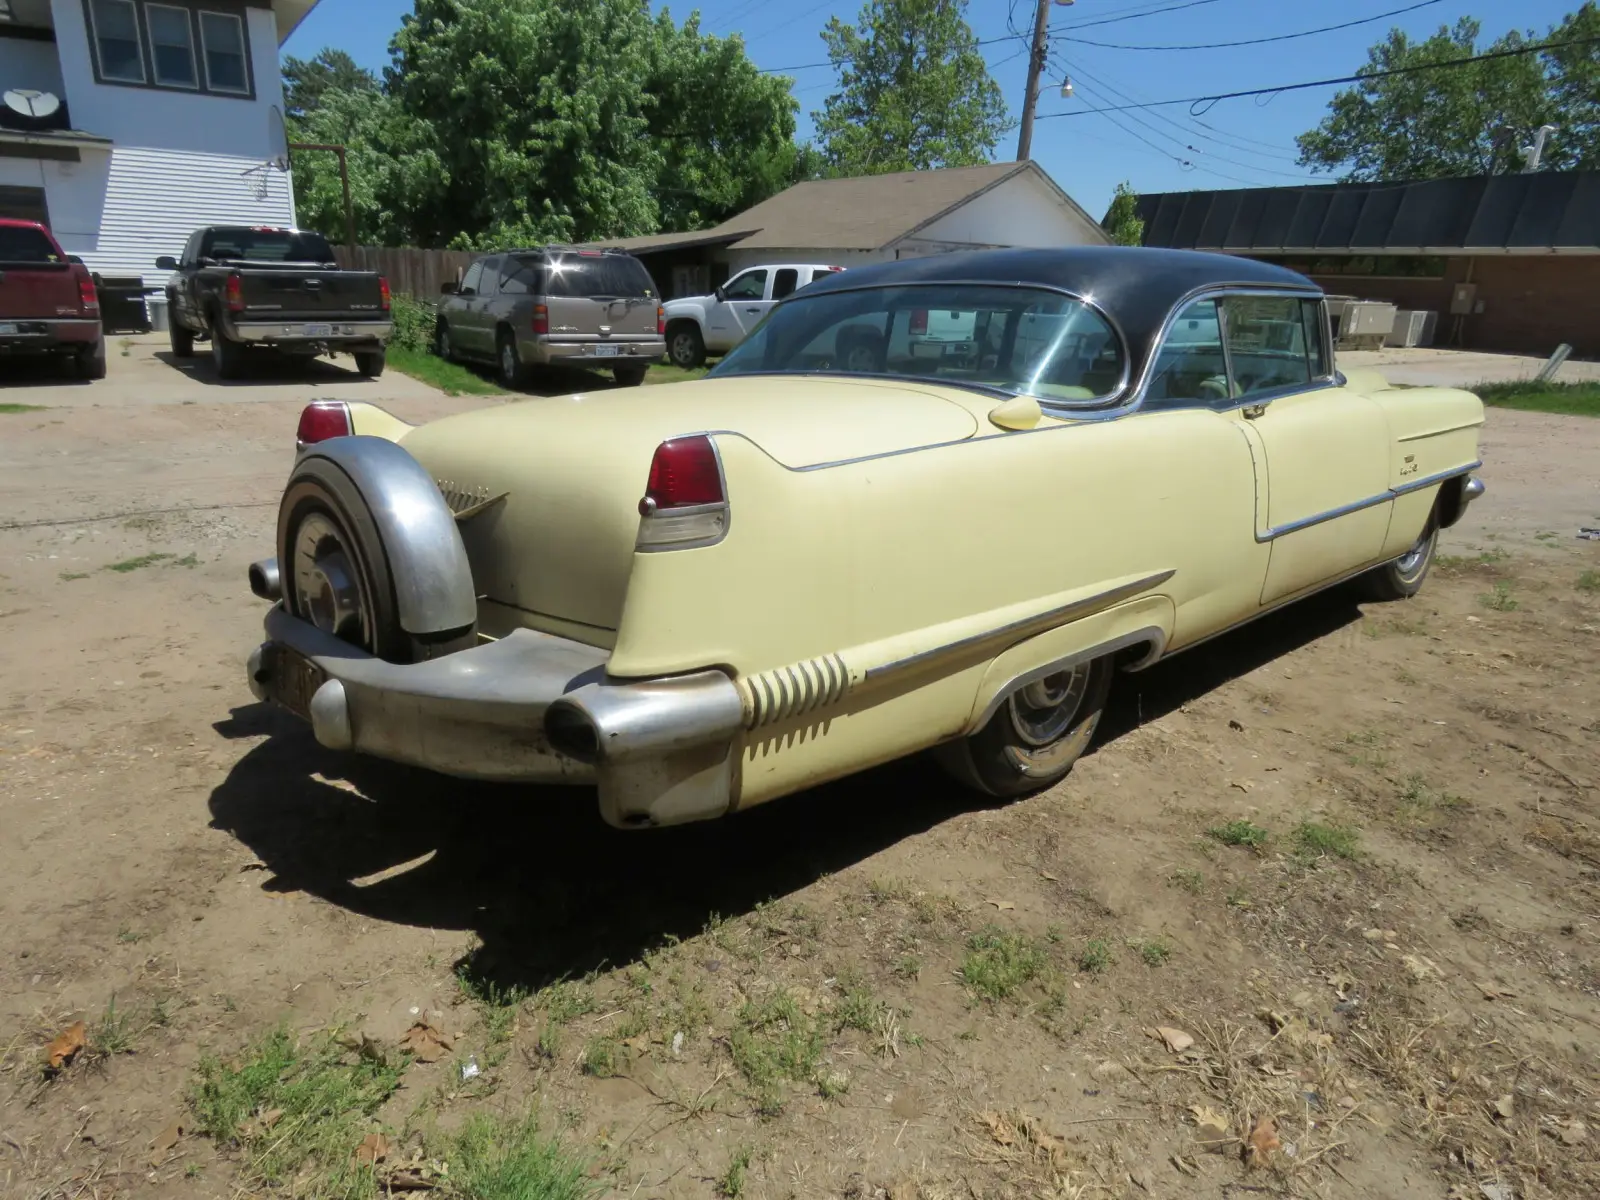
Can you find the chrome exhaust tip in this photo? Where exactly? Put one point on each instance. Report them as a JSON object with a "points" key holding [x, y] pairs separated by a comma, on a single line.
{"points": [[265, 581]]}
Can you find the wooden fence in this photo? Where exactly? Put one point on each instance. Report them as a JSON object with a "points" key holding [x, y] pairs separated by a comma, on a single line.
{"points": [[410, 272]]}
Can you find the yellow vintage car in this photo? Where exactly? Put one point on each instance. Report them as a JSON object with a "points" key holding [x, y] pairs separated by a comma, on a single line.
{"points": [[928, 505]]}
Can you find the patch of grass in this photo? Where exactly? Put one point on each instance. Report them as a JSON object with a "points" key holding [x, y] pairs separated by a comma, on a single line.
{"points": [[602, 1057], [998, 963], [511, 1160], [1187, 880], [1528, 395], [1501, 599], [188, 560], [1366, 749], [667, 373], [1314, 839], [1459, 562], [1420, 804], [773, 1042], [730, 1184], [885, 890], [21, 408], [907, 966], [1154, 952], [69, 576], [1589, 581], [1239, 833], [1095, 957], [860, 1008], [452, 379], [1238, 897], [565, 1000], [135, 564], [297, 1108], [113, 1033]]}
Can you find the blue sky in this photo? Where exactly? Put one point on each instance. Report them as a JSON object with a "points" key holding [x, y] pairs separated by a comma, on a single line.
{"points": [[1242, 142]]}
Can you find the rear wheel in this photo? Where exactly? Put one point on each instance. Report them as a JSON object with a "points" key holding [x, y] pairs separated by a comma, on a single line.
{"points": [[1402, 578], [629, 376], [91, 361], [227, 355], [685, 346], [509, 361], [336, 571], [1035, 735], [371, 362]]}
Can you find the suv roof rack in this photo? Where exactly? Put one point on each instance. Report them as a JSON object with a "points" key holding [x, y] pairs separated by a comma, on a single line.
{"points": [[562, 248]]}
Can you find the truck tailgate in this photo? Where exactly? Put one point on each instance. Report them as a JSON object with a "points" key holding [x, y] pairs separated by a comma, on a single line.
{"points": [[306, 292]]}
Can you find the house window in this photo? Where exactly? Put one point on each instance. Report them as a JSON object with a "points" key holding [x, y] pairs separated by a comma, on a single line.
{"points": [[116, 35], [171, 46], [223, 35]]}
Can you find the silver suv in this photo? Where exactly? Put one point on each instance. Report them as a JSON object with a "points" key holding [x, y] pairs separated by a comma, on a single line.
{"points": [[555, 305]]}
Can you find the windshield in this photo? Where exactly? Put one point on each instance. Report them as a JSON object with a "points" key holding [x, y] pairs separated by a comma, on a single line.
{"points": [[1021, 340], [602, 276], [265, 245]]}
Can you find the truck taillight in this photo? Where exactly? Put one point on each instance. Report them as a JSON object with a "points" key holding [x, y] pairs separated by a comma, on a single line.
{"points": [[234, 289], [384, 298], [321, 420], [685, 501], [541, 318], [88, 296], [661, 319], [919, 320]]}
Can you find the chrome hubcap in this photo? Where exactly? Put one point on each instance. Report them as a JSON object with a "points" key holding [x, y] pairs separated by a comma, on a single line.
{"points": [[327, 591], [859, 359], [1042, 711], [682, 349], [1413, 558]]}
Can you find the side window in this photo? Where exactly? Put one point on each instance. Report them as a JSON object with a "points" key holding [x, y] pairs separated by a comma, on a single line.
{"points": [[1190, 369], [752, 285], [518, 278], [1266, 343], [785, 282], [473, 278], [1316, 350], [491, 276]]}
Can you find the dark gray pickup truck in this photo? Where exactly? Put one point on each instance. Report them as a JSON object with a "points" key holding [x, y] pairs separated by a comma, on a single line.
{"points": [[278, 289]]}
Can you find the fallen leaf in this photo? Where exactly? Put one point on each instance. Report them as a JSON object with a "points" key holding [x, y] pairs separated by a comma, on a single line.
{"points": [[1504, 1107], [425, 1042], [1341, 982], [1573, 1132], [164, 1142], [66, 1045], [1263, 1140], [270, 1118], [374, 1148], [1003, 905], [1244, 785], [1236, 726], [1211, 1128], [1176, 1039]]}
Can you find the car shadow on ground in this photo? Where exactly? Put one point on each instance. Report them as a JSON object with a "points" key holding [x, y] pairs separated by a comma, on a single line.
{"points": [[264, 367], [30, 371], [544, 381], [551, 892]]}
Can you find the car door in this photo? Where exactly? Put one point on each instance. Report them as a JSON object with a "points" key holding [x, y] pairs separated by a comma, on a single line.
{"points": [[1323, 501], [744, 301], [462, 312]]}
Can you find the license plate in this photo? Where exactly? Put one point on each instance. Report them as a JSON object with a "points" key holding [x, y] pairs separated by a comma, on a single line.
{"points": [[8, 327], [319, 330], [958, 350], [605, 351], [292, 679]]}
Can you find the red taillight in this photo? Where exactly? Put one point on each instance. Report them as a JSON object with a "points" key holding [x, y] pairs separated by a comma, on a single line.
{"points": [[384, 297], [661, 319], [683, 474], [321, 420], [835, 268], [541, 319], [88, 296], [235, 293], [919, 320]]}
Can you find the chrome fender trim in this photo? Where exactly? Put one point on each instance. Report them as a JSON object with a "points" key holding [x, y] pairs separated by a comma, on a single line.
{"points": [[432, 577]]}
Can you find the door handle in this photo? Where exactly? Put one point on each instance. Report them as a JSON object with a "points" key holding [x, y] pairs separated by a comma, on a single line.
{"points": [[752, 310], [1254, 410]]}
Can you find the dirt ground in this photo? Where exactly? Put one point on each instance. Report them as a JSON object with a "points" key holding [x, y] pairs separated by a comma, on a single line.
{"points": [[1348, 858]]}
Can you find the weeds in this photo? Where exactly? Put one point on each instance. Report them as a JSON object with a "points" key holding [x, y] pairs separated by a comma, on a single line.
{"points": [[565, 1000], [1420, 804], [998, 963], [1154, 952], [1366, 749], [113, 1033], [601, 1057], [860, 1009], [511, 1160], [1589, 581], [69, 576], [772, 1042], [731, 1183], [136, 564], [907, 966], [1458, 562], [21, 408], [1187, 880], [1239, 833], [1095, 957], [1499, 600], [1314, 840]]}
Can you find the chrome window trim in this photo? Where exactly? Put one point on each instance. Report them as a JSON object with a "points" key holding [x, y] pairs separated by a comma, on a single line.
{"points": [[1344, 510], [1092, 409]]}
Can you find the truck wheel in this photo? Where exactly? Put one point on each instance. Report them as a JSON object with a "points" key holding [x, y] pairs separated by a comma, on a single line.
{"points": [[512, 374], [629, 376], [226, 355], [336, 572], [371, 362], [91, 361], [441, 342], [1402, 578], [685, 346], [181, 339], [1035, 735]]}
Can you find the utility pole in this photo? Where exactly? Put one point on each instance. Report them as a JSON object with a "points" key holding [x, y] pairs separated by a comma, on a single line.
{"points": [[1036, 62]]}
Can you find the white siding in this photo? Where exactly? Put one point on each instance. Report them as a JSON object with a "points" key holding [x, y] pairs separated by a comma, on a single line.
{"points": [[74, 193], [25, 63], [1022, 211], [154, 199]]}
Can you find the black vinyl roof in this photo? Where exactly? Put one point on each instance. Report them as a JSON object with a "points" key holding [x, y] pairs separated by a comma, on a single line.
{"points": [[1543, 211], [1136, 287]]}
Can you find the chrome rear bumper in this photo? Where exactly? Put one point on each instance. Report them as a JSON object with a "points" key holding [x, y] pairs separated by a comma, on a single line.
{"points": [[530, 707]]}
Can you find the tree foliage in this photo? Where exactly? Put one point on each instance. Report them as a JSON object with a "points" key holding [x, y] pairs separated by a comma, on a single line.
{"points": [[1472, 119], [1122, 221], [306, 80], [914, 91]]}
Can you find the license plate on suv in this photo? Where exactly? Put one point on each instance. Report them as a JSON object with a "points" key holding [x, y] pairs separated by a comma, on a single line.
{"points": [[292, 678], [319, 330], [606, 351]]}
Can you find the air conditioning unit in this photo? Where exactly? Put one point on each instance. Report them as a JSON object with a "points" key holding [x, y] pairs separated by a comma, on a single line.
{"points": [[1413, 327], [1360, 324]]}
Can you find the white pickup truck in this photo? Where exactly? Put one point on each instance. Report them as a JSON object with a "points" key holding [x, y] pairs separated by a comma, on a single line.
{"points": [[715, 324]]}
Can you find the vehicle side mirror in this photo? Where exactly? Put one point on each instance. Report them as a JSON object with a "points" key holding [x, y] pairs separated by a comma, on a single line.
{"points": [[720, 294], [448, 288], [466, 291], [166, 263]]}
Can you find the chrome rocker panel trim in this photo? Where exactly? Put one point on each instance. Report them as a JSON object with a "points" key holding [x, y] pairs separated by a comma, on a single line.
{"points": [[1383, 497], [661, 751]]}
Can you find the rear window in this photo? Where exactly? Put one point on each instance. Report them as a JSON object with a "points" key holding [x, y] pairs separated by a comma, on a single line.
{"points": [[265, 245], [18, 245], [601, 276]]}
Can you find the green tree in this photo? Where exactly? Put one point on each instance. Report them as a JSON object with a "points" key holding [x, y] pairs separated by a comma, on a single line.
{"points": [[914, 91], [363, 121], [1123, 223], [1464, 120], [306, 81]]}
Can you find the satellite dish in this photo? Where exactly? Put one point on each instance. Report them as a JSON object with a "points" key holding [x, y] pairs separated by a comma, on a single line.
{"points": [[30, 103], [277, 139]]}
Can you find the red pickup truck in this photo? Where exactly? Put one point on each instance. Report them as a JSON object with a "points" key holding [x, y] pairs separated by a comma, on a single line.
{"points": [[47, 301]]}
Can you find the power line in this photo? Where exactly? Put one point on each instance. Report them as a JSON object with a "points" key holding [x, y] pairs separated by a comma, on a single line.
{"points": [[1133, 16], [1282, 37], [1010, 37], [1316, 83]]}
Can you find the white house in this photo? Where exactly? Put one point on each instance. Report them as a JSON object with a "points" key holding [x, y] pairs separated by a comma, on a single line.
{"points": [[126, 124], [874, 218]]}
